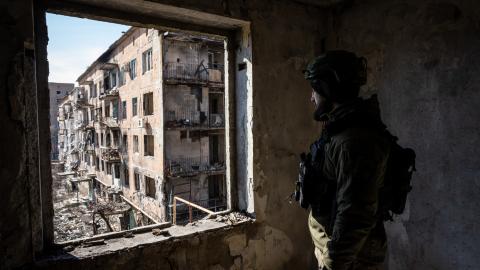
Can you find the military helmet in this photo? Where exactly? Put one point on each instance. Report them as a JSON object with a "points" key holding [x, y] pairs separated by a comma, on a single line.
{"points": [[341, 70]]}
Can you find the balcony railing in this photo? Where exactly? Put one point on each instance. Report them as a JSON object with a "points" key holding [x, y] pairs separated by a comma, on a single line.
{"points": [[109, 93], [189, 72], [188, 119], [184, 211], [184, 72], [182, 167]]}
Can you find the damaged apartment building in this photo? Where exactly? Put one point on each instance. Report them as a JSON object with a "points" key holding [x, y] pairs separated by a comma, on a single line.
{"points": [[146, 126]]}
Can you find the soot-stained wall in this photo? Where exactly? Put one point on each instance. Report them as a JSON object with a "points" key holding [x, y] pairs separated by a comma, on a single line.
{"points": [[424, 63]]}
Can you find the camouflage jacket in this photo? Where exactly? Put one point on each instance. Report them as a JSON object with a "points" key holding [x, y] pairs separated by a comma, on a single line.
{"points": [[355, 160]]}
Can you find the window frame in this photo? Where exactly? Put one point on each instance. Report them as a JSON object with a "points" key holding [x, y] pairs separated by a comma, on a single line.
{"points": [[147, 61], [232, 31], [133, 68], [148, 104], [134, 106], [148, 192], [148, 145]]}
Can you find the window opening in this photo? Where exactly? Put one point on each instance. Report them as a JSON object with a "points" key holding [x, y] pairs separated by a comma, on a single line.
{"points": [[149, 147], [148, 104], [94, 129]]}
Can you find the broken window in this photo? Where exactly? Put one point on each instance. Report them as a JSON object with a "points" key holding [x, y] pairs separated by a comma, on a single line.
{"points": [[109, 169], [126, 177], [124, 109], [135, 143], [134, 106], [121, 76], [148, 104], [147, 60], [113, 78], [148, 143], [150, 187], [137, 180], [108, 140], [115, 109], [125, 143], [132, 68], [116, 138]]}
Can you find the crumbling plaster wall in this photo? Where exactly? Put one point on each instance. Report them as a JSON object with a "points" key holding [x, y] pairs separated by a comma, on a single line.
{"points": [[424, 63], [281, 127]]}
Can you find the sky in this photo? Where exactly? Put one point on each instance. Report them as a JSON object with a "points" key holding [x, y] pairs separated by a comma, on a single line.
{"points": [[75, 43]]}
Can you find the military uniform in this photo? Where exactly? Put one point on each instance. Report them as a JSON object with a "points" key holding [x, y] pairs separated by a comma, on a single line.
{"points": [[347, 228]]}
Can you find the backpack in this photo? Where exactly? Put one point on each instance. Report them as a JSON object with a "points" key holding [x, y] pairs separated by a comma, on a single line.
{"points": [[397, 182]]}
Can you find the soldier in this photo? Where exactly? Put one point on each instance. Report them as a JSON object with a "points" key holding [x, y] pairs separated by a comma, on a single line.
{"points": [[349, 164]]}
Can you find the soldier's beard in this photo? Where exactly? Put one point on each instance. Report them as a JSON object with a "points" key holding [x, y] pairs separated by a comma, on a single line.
{"points": [[321, 110]]}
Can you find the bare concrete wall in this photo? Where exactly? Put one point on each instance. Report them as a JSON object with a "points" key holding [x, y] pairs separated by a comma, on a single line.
{"points": [[424, 63]]}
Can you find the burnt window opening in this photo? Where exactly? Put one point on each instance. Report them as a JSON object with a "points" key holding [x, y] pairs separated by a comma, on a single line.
{"points": [[149, 145], [150, 189], [148, 104], [133, 69], [136, 176], [135, 143], [126, 177]]}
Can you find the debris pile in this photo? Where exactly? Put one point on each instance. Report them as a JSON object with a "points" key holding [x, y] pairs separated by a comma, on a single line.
{"points": [[233, 218]]}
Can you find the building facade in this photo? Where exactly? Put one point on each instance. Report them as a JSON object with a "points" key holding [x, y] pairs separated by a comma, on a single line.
{"points": [[57, 92], [148, 123]]}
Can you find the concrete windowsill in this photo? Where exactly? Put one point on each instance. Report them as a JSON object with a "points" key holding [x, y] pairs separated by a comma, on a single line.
{"points": [[140, 240]]}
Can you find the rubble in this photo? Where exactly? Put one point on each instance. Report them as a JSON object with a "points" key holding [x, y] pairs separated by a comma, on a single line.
{"points": [[233, 218]]}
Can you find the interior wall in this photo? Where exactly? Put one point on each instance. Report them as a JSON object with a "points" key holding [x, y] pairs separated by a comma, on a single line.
{"points": [[281, 127], [424, 61]]}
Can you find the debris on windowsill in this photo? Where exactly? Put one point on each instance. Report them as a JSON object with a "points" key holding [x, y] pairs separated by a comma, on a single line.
{"points": [[94, 243], [158, 232], [233, 218]]}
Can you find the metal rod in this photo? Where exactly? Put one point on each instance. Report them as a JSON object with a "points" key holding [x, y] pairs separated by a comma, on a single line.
{"points": [[139, 209], [194, 205], [174, 219]]}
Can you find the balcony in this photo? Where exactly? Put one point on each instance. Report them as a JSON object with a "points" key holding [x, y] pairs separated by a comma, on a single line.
{"points": [[110, 122], [216, 120], [109, 94], [189, 119], [184, 167], [192, 73], [110, 154]]}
